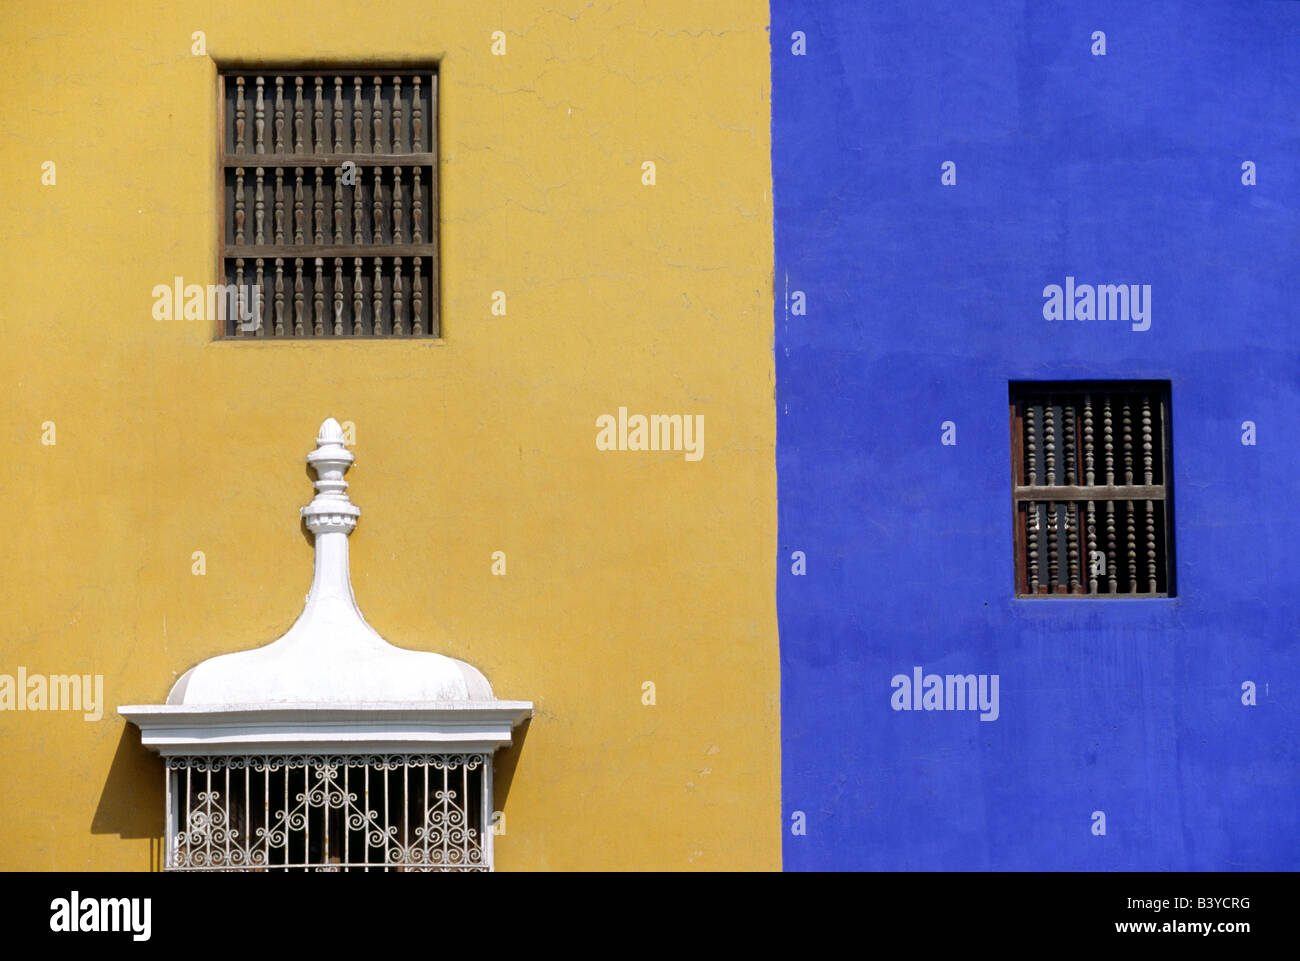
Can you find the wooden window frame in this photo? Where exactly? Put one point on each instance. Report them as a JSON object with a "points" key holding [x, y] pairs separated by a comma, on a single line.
{"points": [[430, 248], [1160, 494]]}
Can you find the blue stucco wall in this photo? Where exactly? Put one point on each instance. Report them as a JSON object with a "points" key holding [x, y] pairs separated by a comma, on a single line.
{"points": [[923, 302]]}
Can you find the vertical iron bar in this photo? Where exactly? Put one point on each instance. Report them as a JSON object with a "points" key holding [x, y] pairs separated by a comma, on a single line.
{"points": [[169, 796], [325, 850], [306, 821]]}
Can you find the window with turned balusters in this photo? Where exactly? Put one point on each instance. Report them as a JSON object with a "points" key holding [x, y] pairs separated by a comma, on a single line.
{"points": [[329, 202], [1091, 489]]}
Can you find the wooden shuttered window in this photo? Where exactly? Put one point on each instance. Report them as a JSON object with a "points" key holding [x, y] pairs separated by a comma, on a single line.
{"points": [[1091, 489], [329, 202]]}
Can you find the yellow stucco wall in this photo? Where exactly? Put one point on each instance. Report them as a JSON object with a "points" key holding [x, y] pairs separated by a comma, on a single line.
{"points": [[622, 567]]}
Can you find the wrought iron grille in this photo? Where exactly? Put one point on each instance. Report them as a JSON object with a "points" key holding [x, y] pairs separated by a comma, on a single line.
{"points": [[329, 203], [1091, 492], [389, 812]]}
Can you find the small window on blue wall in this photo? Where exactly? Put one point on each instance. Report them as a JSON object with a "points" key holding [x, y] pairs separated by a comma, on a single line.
{"points": [[1091, 489]]}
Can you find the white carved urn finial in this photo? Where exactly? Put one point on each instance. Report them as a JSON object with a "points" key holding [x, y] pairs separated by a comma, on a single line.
{"points": [[331, 510], [330, 655]]}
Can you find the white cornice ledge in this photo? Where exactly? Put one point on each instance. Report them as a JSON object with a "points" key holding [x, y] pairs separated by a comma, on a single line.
{"points": [[431, 727]]}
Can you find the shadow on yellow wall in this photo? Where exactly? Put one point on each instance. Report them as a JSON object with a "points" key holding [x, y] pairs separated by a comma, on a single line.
{"points": [[131, 805]]}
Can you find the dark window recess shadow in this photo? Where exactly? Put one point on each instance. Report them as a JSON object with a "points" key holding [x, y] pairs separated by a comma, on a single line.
{"points": [[503, 770], [131, 804]]}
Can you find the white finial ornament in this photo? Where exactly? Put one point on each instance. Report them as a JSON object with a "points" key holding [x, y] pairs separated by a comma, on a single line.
{"points": [[330, 654], [330, 510], [331, 684]]}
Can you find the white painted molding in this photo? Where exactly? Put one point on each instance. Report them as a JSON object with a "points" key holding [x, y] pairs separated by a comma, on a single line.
{"points": [[430, 728], [331, 684]]}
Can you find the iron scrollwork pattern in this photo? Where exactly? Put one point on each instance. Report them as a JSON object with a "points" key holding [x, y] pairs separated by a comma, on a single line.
{"points": [[383, 812]]}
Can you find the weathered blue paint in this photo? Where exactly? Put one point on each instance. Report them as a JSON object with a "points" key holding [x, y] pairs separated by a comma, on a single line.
{"points": [[924, 301]]}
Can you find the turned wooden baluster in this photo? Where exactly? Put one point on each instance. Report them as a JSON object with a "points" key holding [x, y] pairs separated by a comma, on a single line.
{"points": [[297, 115], [1148, 462], [259, 298], [237, 321], [339, 211], [1131, 528], [1108, 454], [397, 115], [417, 299], [259, 118], [1049, 441], [1049, 456], [1108, 447], [1031, 508], [318, 125], [397, 297], [1131, 541], [279, 297], [318, 300], [378, 114], [239, 115], [338, 297], [397, 205], [1148, 475], [338, 115], [377, 205], [358, 117], [279, 205], [1071, 507], [417, 209], [358, 210], [358, 297], [297, 298], [1090, 479], [259, 210], [377, 326], [1127, 422], [1071, 444], [279, 115], [1053, 548], [239, 205], [417, 118], [299, 214], [318, 204]]}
